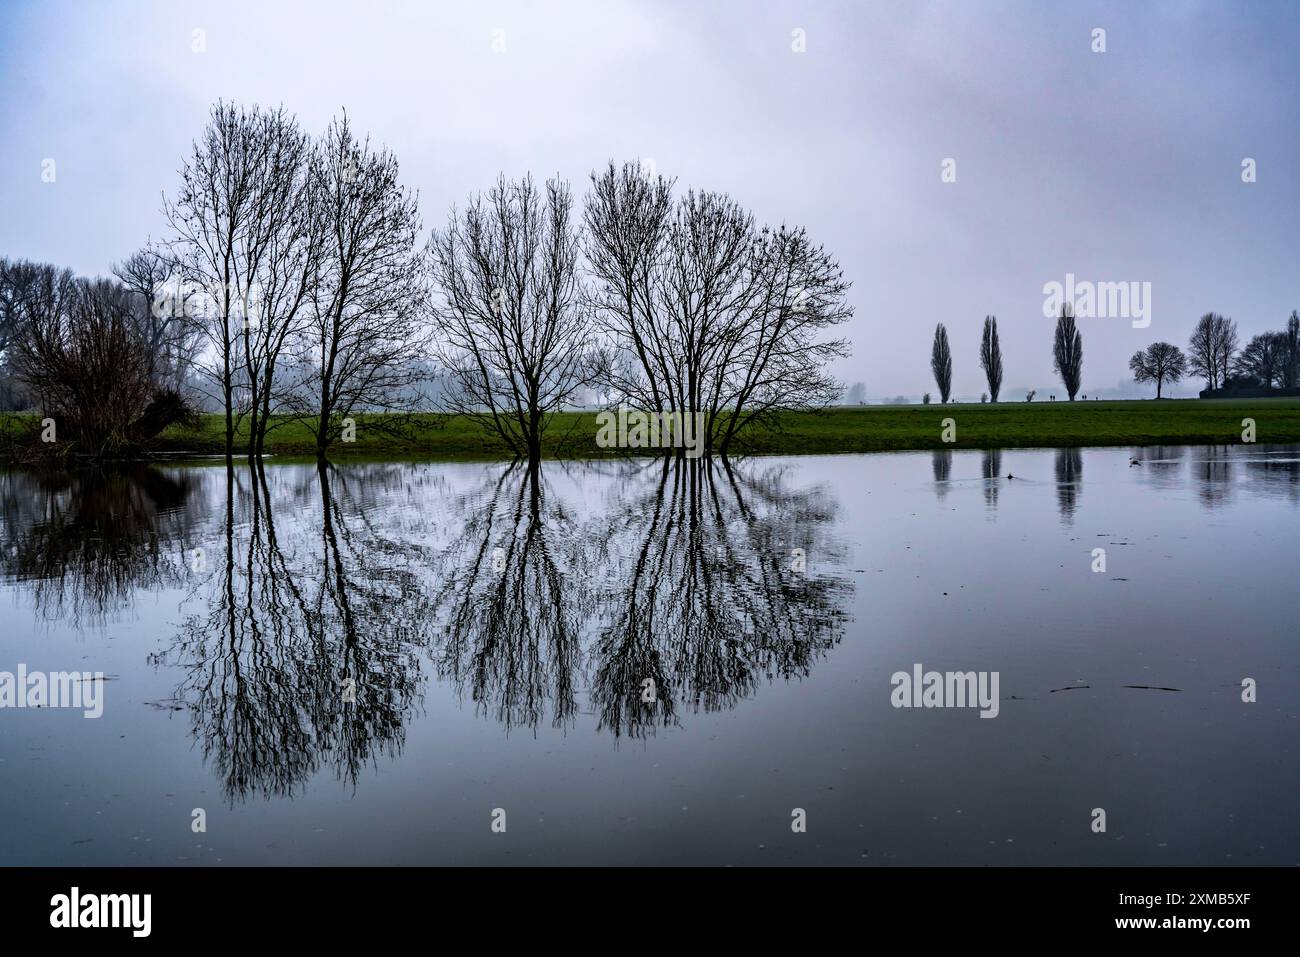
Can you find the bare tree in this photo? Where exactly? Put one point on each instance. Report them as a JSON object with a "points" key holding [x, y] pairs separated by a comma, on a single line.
{"points": [[941, 363], [1211, 349], [242, 237], [20, 280], [364, 340], [159, 314], [285, 240], [13, 279], [707, 315], [1160, 362], [1263, 359], [77, 351], [991, 356], [1067, 352], [627, 219], [775, 354], [510, 309]]}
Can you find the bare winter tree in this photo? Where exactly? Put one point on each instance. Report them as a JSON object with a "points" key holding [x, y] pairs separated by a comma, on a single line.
{"points": [[1160, 362], [708, 316], [1067, 352], [285, 239], [1263, 359], [1211, 349], [510, 310], [20, 280], [159, 313], [627, 217], [941, 363], [78, 352], [991, 356], [365, 338], [703, 294], [777, 354], [242, 226]]}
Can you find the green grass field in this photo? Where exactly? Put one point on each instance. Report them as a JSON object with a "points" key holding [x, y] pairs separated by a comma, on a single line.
{"points": [[842, 429]]}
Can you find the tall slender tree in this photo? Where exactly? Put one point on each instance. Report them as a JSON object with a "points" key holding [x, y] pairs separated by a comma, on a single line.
{"points": [[941, 362], [991, 356], [1067, 352], [1291, 351]]}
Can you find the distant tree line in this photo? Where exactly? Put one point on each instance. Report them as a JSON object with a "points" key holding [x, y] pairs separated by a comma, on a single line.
{"points": [[1270, 360], [294, 285]]}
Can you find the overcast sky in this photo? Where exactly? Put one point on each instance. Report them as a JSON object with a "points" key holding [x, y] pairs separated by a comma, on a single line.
{"points": [[1116, 166]]}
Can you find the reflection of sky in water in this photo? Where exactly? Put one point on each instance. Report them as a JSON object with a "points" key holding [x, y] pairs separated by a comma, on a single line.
{"points": [[496, 631]]}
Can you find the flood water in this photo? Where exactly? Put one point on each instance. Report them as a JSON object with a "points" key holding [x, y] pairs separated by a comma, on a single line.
{"points": [[641, 662]]}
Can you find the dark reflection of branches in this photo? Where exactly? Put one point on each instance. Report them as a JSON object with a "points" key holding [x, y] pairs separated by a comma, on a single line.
{"points": [[941, 461], [319, 595], [714, 597], [687, 587], [991, 469], [307, 655], [85, 541], [1069, 482], [513, 602]]}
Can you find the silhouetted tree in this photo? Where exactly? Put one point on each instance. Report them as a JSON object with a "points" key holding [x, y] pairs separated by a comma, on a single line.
{"points": [[1067, 352], [1160, 362], [76, 351], [366, 332], [247, 237], [509, 309], [1263, 359], [1291, 352], [941, 362], [171, 342], [1211, 348], [707, 315], [991, 356]]}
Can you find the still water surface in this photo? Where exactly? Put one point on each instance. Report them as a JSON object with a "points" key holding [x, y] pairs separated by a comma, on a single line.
{"points": [[358, 667]]}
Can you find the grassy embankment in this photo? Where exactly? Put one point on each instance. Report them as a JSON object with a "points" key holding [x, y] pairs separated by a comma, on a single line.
{"points": [[846, 429]]}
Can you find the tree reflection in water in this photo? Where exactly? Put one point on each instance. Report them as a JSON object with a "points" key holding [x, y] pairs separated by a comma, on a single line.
{"points": [[317, 602], [86, 541], [308, 653], [729, 582]]}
